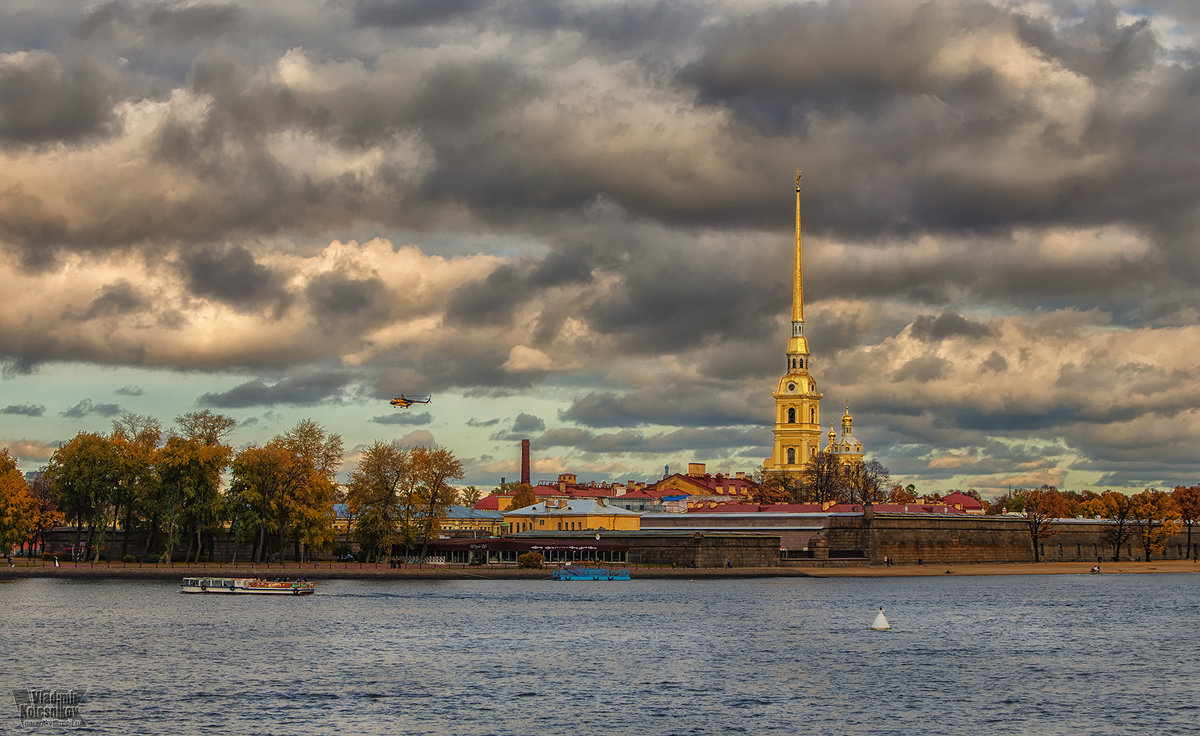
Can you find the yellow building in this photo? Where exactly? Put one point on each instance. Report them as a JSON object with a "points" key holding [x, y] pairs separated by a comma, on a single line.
{"points": [[847, 449], [797, 401], [572, 515]]}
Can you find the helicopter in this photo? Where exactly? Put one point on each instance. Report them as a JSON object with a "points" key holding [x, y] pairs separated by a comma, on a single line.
{"points": [[404, 402]]}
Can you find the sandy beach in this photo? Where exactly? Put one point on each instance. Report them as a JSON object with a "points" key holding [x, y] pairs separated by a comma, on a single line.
{"points": [[337, 570]]}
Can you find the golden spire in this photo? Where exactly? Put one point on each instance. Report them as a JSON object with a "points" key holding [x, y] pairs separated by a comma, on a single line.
{"points": [[797, 277]]}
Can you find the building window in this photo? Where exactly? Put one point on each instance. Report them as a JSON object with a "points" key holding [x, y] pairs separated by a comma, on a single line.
{"points": [[791, 415], [791, 456], [812, 415]]}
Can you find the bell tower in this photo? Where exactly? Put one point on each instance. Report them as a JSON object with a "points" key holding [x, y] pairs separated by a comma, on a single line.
{"points": [[797, 401]]}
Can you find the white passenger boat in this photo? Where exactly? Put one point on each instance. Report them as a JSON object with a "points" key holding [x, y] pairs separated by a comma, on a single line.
{"points": [[240, 586]]}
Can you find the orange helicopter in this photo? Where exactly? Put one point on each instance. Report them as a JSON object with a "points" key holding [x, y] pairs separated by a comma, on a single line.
{"points": [[404, 402]]}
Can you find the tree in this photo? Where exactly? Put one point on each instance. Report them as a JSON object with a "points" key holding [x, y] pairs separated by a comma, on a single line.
{"points": [[773, 486], [312, 516], [1118, 509], [136, 438], [198, 456], [903, 494], [381, 488], [16, 503], [1187, 500], [433, 467], [45, 514], [1040, 507], [866, 482], [84, 472], [823, 480], [1156, 519], [523, 496], [470, 495]]}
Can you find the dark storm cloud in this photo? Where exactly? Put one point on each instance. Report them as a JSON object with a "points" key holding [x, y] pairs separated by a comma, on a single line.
{"points": [[611, 409], [333, 296], [233, 276], [403, 417], [928, 328], [523, 426], [633, 441], [115, 300], [86, 406], [25, 410], [307, 389], [528, 423], [43, 99], [404, 13]]}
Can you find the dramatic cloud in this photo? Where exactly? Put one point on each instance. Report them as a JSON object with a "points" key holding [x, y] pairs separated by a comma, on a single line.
{"points": [[25, 410], [580, 215]]}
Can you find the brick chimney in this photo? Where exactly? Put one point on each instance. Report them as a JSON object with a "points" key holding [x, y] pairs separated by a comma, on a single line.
{"points": [[525, 462]]}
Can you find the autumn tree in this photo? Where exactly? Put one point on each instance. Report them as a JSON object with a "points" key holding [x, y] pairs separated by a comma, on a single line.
{"points": [[523, 496], [257, 484], [1118, 509], [44, 512], [774, 486], [16, 503], [1039, 507], [1187, 500], [433, 467], [381, 488], [1156, 519], [903, 494], [312, 515]]}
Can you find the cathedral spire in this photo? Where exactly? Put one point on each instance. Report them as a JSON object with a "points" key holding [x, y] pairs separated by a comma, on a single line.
{"points": [[797, 276]]}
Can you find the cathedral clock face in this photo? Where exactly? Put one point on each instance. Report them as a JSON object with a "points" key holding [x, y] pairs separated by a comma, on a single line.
{"points": [[791, 387]]}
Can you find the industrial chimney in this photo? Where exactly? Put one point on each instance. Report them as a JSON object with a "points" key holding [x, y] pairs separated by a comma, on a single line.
{"points": [[525, 462]]}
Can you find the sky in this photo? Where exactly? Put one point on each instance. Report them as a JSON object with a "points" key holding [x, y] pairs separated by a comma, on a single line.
{"points": [[572, 222]]}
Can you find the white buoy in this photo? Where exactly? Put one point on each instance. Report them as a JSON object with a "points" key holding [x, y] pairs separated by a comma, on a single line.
{"points": [[881, 622]]}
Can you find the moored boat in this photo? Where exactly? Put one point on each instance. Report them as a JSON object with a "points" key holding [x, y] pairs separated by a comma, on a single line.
{"points": [[579, 572], [240, 586]]}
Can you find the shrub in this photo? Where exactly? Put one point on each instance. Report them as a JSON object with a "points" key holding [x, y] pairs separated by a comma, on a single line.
{"points": [[129, 558], [153, 559], [532, 560]]}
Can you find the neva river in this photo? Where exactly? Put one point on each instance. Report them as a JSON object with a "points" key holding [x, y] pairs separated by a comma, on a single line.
{"points": [[1088, 654]]}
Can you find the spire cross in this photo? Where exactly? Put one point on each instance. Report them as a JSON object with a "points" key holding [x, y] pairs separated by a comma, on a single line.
{"points": [[797, 178]]}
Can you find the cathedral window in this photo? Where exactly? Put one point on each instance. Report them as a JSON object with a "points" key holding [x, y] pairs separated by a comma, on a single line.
{"points": [[791, 455], [791, 415]]}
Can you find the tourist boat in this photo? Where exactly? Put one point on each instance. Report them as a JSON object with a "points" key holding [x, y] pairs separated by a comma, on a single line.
{"points": [[578, 572], [248, 585]]}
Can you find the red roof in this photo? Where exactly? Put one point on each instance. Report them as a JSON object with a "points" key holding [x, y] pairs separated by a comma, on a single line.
{"points": [[488, 503], [967, 502]]}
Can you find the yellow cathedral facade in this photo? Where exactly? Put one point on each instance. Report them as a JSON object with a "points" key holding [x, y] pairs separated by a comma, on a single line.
{"points": [[797, 400]]}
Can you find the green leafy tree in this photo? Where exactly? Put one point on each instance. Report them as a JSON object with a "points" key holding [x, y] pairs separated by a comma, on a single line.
{"points": [[470, 495], [1156, 519], [84, 473], [136, 438]]}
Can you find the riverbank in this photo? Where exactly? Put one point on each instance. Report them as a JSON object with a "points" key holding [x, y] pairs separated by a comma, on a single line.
{"points": [[355, 570]]}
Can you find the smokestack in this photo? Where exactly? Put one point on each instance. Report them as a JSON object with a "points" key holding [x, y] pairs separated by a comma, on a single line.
{"points": [[525, 462]]}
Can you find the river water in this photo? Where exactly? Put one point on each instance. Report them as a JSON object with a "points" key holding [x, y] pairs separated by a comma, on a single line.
{"points": [[1089, 654]]}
